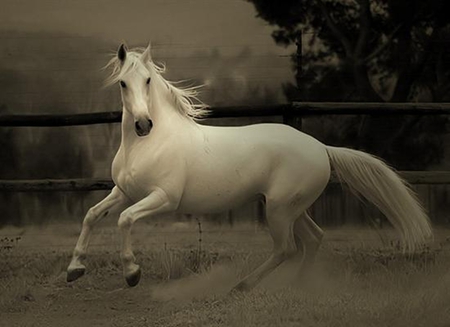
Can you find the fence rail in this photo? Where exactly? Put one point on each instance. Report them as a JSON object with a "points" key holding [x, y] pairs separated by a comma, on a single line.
{"points": [[82, 185], [116, 116], [55, 185], [60, 120], [369, 108], [286, 110]]}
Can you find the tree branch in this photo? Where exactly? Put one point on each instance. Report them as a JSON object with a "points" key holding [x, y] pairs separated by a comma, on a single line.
{"points": [[409, 75], [384, 46], [336, 30], [364, 24]]}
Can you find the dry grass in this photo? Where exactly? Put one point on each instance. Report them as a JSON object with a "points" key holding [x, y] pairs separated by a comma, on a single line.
{"points": [[360, 279]]}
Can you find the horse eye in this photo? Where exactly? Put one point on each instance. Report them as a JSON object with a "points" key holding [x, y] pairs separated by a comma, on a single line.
{"points": [[148, 80], [122, 83]]}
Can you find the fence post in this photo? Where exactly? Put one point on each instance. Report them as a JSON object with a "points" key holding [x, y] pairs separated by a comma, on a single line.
{"points": [[292, 120], [288, 118], [299, 58]]}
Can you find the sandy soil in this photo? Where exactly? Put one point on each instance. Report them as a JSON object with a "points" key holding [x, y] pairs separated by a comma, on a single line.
{"points": [[354, 282]]}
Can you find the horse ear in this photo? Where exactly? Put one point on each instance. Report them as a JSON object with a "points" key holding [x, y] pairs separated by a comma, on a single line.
{"points": [[147, 54], [122, 53]]}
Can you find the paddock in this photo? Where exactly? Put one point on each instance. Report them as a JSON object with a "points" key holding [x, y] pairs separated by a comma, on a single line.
{"points": [[361, 275]]}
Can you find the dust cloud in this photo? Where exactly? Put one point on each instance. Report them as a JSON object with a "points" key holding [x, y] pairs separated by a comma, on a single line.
{"points": [[218, 281]]}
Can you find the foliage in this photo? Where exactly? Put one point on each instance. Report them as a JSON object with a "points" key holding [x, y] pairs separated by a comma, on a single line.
{"points": [[371, 50]]}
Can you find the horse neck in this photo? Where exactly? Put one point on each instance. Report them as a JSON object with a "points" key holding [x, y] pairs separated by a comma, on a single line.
{"points": [[128, 133], [164, 115], [163, 109]]}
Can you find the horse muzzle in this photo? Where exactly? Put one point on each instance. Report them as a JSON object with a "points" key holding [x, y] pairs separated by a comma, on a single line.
{"points": [[143, 127]]}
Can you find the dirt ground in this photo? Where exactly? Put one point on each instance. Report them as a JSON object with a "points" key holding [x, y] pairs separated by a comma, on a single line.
{"points": [[360, 279]]}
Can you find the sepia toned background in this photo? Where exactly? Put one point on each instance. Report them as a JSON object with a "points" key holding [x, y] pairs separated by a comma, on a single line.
{"points": [[52, 58], [52, 55], [243, 52]]}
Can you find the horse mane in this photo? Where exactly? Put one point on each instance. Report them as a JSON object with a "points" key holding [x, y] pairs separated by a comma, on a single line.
{"points": [[185, 99]]}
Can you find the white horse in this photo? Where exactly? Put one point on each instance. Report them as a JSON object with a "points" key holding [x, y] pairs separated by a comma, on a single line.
{"points": [[168, 163]]}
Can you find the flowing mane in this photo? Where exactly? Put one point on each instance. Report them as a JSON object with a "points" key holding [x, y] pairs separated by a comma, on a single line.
{"points": [[184, 98]]}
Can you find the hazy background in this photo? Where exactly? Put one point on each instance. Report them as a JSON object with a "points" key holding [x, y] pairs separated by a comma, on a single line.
{"points": [[60, 46], [52, 54], [51, 59]]}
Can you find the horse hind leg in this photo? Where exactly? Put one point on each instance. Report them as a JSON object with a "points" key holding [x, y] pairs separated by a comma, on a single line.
{"points": [[308, 237], [280, 220]]}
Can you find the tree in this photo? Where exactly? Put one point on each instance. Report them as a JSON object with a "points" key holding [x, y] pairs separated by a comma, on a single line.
{"points": [[371, 50]]}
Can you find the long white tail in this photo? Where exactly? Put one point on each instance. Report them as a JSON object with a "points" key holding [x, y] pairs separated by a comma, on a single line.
{"points": [[373, 179]]}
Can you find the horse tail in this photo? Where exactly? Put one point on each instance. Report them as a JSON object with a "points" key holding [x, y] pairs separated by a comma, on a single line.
{"points": [[370, 177]]}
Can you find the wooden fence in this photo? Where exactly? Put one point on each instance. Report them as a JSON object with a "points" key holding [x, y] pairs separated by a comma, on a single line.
{"points": [[287, 111], [334, 206]]}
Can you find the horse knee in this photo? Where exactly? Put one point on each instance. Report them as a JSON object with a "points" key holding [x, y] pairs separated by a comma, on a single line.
{"points": [[125, 221], [90, 218]]}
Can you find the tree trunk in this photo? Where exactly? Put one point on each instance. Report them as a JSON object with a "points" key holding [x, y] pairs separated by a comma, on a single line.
{"points": [[365, 89], [404, 62]]}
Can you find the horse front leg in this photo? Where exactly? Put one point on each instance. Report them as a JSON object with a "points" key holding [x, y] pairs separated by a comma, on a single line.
{"points": [[156, 203], [115, 202]]}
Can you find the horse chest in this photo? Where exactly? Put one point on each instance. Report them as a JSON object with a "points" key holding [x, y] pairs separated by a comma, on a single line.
{"points": [[138, 173], [129, 184]]}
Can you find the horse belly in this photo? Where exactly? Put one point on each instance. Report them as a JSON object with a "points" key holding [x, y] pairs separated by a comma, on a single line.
{"points": [[217, 194]]}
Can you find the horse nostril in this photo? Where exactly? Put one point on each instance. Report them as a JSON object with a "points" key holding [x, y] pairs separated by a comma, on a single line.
{"points": [[142, 127], [137, 126]]}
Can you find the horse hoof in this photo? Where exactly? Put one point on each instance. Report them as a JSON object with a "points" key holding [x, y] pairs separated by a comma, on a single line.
{"points": [[75, 274], [133, 279]]}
